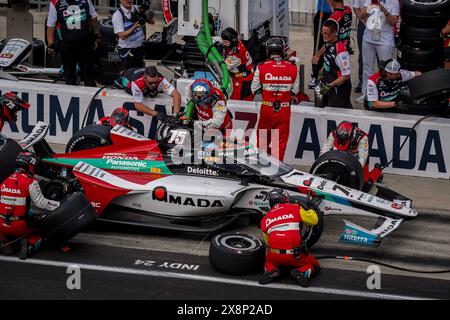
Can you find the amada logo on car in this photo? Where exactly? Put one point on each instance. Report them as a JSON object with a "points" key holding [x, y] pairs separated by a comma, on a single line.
{"points": [[161, 194]]}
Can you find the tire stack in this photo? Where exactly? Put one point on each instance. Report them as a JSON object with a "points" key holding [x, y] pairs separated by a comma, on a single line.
{"points": [[107, 61], [421, 47]]}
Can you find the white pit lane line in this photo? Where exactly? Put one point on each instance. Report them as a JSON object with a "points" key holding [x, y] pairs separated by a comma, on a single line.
{"points": [[174, 275]]}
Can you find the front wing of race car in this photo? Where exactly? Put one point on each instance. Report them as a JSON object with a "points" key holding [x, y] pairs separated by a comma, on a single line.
{"points": [[389, 207]]}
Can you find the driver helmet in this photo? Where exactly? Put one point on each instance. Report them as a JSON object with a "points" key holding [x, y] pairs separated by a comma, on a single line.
{"points": [[276, 45], [120, 116], [277, 196], [344, 134], [10, 104], [231, 35], [201, 91], [27, 162], [391, 66]]}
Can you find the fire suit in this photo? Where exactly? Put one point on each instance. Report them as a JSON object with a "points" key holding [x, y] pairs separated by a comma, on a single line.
{"points": [[281, 229], [343, 17], [139, 89], [240, 65], [215, 115], [336, 65], [18, 192], [278, 79], [379, 89], [359, 147]]}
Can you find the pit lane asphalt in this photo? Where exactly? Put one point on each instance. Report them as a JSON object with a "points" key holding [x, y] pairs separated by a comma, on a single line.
{"points": [[120, 273]]}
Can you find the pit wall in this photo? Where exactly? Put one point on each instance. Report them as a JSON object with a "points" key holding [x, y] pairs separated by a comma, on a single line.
{"points": [[426, 154]]}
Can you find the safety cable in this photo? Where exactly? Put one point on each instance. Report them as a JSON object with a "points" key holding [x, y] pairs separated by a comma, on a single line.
{"points": [[347, 258], [407, 138], [89, 106]]}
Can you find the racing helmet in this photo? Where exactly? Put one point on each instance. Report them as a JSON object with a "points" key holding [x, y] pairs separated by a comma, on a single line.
{"points": [[277, 196], [344, 134], [120, 116], [10, 104], [391, 66], [201, 91], [275, 45], [27, 162], [231, 35]]}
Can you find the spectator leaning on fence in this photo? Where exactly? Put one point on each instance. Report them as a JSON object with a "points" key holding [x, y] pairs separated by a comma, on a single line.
{"points": [[358, 5], [379, 37], [78, 31], [128, 28]]}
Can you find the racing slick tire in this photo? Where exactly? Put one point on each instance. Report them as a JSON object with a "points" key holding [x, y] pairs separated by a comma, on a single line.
{"points": [[420, 37], [9, 149], [106, 71], [431, 87], [236, 253], [92, 136], [423, 13], [73, 215], [423, 60], [107, 34], [310, 235], [343, 167]]}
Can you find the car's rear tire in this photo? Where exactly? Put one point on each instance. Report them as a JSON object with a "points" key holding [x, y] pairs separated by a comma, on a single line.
{"points": [[92, 136], [65, 222], [236, 253], [310, 235], [9, 149], [339, 166]]}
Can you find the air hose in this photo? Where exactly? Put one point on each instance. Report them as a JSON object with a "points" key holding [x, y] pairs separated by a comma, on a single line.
{"points": [[207, 48], [347, 258], [89, 106]]}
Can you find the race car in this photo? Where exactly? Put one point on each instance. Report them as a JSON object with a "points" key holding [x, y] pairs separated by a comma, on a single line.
{"points": [[178, 182]]}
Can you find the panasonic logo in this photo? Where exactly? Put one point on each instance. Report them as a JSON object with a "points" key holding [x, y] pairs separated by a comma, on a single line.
{"points": [[5, 189], [283, 217], [113, 162], [271, 77]]}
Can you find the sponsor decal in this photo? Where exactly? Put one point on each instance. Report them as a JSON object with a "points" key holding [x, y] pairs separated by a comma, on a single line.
{"points": [[352, 235], [322, 184], [202, 171], [161, 194], [308, 182], [155, 170], [152, 156], [397, 206], [270, 77], [119, 156], [389, 227], [283, 217], [35, 135], [332, 209], [6, 189], [126, 163]]}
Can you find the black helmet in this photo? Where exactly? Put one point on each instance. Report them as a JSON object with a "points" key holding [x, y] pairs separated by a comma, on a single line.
{"points": [[27, 161], [277, 196], [231, 35], [275, 45]]}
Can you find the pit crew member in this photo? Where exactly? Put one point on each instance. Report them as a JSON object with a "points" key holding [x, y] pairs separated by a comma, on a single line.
{"points": [[282, 233], [19, 192], [279, 80]]}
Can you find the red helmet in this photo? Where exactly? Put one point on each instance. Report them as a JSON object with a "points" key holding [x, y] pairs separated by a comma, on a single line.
{"points": [[10, 104], [343, 135], [27, 162], [120, 116]]}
